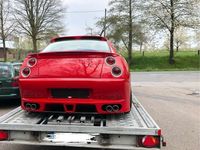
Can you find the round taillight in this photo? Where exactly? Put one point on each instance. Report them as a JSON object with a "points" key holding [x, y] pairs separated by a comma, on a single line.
{"points": [[116, 71], [32, 62], [110, 60], [150, 141], [26, 72]]}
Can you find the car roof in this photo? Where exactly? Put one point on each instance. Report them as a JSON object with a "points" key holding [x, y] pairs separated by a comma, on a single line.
{"points": [[17, 63], [9, 63], [5, 63]]}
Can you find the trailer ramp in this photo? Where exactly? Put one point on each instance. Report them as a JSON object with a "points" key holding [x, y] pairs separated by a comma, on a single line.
{"points": [[119, 131]]}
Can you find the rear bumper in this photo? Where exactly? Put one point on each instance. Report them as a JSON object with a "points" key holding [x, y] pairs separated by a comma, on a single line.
{"points": [[72, 106], [104, 92], [9, 93]]}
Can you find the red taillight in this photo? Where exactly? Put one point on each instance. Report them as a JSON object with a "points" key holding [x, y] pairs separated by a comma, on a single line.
{"points": [[15, 82], [150, 141], [26, 72], [32, 62], [110, 60], [3, 135], [116, 71]]}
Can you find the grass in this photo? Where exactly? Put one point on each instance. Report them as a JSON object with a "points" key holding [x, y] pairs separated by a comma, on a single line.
{"points": [[158, 61]]}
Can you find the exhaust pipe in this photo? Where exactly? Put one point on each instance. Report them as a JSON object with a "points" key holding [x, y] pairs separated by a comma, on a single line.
{"points": [[33, 107], [115, 108], [28, 106], [109, 108]]}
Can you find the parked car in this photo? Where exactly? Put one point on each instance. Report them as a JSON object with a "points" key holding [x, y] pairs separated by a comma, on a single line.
{"points": [[9, 80], [76, 74]]}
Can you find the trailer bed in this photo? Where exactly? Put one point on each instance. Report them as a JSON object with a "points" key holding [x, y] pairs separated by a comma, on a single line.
{"points": [[94, 131]]}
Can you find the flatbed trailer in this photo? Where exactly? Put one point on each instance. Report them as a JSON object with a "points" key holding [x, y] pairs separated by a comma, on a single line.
{"points": [[122, 131]]}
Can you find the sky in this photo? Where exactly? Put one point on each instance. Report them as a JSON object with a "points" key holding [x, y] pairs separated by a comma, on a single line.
{"points": [[75, 22]]}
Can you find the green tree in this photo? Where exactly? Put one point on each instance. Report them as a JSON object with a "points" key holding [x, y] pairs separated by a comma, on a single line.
{"points": [[172, 14]]}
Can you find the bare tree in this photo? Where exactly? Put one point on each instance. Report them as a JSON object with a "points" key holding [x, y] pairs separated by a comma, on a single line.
{"points": [[38, 17], [170, 15], [121, 23], [124, 9], [6, 25]]}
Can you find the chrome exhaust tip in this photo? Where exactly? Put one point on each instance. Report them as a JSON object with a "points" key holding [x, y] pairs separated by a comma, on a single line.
{"points": [[115, 108], [28, 106], [33, 107], [109, 108]]}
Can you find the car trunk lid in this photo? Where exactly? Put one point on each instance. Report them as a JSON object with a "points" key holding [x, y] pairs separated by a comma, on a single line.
{"points": [[71, 64]]}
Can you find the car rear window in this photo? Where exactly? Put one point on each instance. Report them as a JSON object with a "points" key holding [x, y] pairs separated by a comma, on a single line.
{"points": [[78, 45], [16, 69], [5, 71]]}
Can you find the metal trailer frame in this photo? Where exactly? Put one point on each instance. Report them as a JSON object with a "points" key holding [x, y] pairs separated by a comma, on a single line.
{"points": [[119, 131]]}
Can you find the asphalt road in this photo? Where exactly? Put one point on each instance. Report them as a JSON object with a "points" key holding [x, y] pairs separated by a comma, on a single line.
{"points": [[171, 98]]}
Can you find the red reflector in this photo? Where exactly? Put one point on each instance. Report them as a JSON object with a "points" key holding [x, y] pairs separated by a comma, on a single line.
{"points": [[150, 141], [3, 135], [159, 132]]}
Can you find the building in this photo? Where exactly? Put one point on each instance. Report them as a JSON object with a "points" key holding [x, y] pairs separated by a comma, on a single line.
{"points": [[10, 46]]}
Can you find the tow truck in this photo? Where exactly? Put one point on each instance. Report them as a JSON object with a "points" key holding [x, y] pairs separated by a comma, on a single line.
{"points": [[135, 130]]}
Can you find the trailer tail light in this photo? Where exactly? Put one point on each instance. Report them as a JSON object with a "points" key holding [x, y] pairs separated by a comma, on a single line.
{"points": [[3, 135], [32, 62], [26, 72], [110, 60], [149, 141]]}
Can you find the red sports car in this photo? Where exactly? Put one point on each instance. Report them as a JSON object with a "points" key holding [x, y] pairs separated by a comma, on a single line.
{"points": [[76, 74]]}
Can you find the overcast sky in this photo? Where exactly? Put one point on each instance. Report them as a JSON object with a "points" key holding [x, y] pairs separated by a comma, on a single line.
{"points": [[75, 22]]}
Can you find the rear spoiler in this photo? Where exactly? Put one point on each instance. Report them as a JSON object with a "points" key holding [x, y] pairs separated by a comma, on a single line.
{"points": [[84, 37], [37, 55]]}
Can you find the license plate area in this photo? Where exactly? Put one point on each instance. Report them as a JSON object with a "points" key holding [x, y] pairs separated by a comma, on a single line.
{"points": [[70, 93]]}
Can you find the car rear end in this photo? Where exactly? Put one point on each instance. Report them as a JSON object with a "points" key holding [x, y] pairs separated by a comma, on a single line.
{"points": [[9, 86], [85, 80]]}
